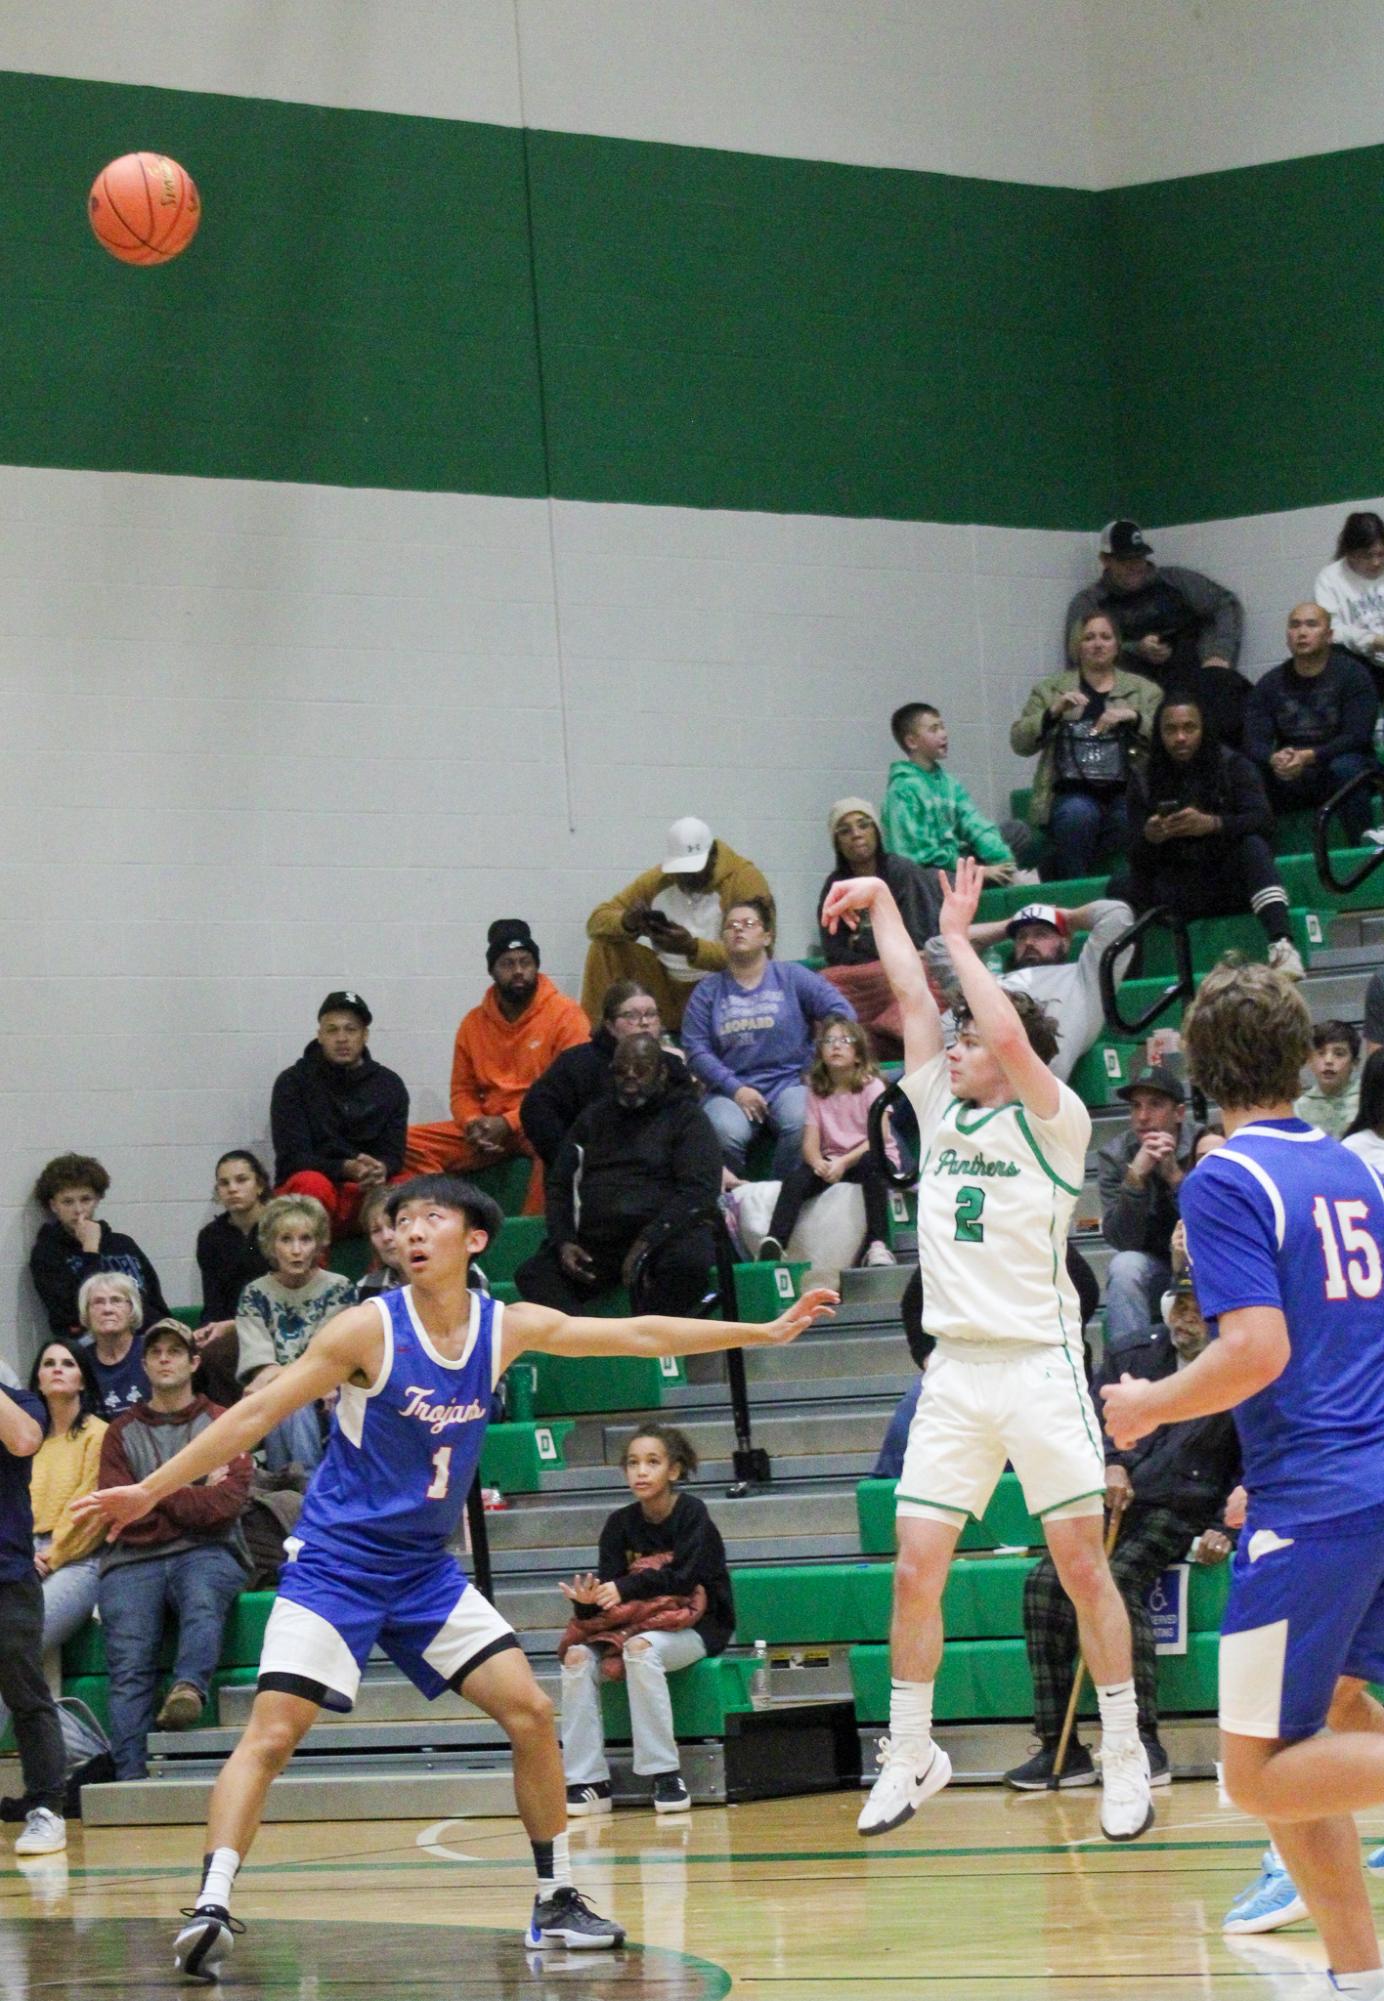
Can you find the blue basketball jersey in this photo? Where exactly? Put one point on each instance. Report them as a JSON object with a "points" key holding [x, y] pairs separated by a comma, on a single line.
{"points": [[402, 1454], [1283, 1216]]}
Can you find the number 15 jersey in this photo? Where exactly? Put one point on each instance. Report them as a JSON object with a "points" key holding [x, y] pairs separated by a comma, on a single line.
{"points": [[1282, 1216], [996, 1190], [402, 1453]]}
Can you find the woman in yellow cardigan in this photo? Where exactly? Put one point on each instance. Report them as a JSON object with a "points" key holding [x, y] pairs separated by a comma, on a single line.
{"points": [[65, 1465]]}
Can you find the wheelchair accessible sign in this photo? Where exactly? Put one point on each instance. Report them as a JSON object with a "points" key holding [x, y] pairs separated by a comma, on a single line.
{"points": [[1166, 1599]]}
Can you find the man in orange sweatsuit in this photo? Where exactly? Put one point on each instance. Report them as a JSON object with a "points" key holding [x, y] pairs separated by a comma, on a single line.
{"points": [[501, 1047]]}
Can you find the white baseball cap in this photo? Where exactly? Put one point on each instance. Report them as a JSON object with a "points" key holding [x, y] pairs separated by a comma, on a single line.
{"points": [[689, 845]]}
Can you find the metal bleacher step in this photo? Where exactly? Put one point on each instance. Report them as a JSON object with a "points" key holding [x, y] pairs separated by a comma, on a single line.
{"points": [[384, 1698], [711, 1473], [835, 1389], [439, 1729], [445, 1785], [537, 1523]]}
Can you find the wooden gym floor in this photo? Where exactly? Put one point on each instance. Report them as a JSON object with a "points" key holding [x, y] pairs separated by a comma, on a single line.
{"points": [[984, 1893]]}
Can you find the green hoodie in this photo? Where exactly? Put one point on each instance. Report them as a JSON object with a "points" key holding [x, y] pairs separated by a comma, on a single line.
{"points": [[930, 817]]}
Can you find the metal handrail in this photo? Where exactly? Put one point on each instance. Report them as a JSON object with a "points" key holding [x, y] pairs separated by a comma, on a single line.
{"points": [[750, 1461], [1321, 850], [1182, 988]]}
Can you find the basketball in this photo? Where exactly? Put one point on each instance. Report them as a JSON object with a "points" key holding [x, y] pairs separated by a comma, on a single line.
{"points": [[144, 208]]}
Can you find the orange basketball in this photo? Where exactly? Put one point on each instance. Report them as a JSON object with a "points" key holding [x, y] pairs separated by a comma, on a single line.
{"points": [[144, 208]]}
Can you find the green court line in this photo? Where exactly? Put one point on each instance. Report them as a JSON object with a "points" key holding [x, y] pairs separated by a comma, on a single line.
{"points": [[651, 1858]]}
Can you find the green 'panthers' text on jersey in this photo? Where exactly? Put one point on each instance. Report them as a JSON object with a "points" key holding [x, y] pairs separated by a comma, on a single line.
{"points": [[995, 1196]]}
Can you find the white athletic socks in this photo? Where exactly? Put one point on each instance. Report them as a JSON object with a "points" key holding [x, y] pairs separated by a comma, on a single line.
{"points": [[1364, 1986], [218, 1877], [552, 1863], [1119, 1713], [910, 1713]]}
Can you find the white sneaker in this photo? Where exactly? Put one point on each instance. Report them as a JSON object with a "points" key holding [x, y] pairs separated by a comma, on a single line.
{"points": [[879, 1253], [45, 1833], [1373, 837], [901, 1788], [1126, 1807], [1285, 958]]}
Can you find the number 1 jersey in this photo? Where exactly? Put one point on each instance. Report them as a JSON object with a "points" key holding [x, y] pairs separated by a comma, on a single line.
{"points": [[1283, 1216], [996, 1191], [403, 1453]]}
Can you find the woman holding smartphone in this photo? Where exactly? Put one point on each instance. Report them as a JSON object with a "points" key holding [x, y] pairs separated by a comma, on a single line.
{"points": [[1200, 839]]}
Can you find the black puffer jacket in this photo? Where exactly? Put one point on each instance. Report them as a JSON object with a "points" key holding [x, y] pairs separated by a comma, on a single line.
{"points": [[322, 1114]]}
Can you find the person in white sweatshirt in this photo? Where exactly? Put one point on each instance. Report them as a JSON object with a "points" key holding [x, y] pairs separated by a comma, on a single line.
{"points": [[1351, 590]]}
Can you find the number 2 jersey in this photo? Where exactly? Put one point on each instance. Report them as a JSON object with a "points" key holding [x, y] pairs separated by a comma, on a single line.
{"points": [[1283, 1216], [996, 1190], [402, 1454]]}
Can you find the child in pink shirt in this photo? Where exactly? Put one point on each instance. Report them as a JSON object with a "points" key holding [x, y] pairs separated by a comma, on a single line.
{"points": [[842, 1085]]}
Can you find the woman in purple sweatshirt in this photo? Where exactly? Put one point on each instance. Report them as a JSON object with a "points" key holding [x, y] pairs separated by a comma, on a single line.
{"points": [[748, 1035]]}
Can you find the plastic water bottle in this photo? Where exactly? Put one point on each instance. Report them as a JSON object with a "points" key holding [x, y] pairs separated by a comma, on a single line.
{"points": [[759, 1680], [994, 960], [1379, 738]]}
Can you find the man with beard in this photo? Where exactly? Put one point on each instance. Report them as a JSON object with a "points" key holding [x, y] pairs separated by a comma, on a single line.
{"points": [[1067, 990], [501, 1048], [630, 1195]]}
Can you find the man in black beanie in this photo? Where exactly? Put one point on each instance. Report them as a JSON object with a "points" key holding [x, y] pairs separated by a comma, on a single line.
{"points": [[501, 1047]]}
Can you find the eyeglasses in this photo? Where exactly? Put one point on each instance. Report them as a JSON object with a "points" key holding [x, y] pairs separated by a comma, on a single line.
{"points": [[837, 1042], [743, 924], [643, 1017]]}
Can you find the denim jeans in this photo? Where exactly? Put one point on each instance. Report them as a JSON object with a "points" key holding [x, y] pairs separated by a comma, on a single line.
{"points": [[1085, 827], [1134, 1286], [69, 1598], [889, 1464], [651, 1709], [299, 1438], [735, 1129], [199, 1586]]}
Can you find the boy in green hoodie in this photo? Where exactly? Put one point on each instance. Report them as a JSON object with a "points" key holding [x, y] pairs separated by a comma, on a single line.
{"points": [[929, 816]]}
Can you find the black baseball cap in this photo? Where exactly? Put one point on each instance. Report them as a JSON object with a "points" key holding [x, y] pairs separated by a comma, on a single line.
{"points": [[1157, 1077], [343, 1001], [1123, 538]]}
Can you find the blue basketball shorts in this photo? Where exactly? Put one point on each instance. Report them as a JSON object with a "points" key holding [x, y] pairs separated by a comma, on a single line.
{"points": [[1306, 1606], [330, 1613]]}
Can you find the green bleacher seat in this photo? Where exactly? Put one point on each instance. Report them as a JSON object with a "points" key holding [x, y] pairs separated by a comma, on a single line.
{"points": [[92, 1690], [703, 1695], [567, 1386], [1305, 886], [989, 1681], [85, 1652], [516, 1455], [507, 1182], [1007, 1524], [350, 1256], [1109, 1062], [519, 1237]]}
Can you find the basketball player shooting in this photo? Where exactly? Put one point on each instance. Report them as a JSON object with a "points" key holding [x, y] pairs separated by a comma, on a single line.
{"points": [[1003, 1156], [371, 1562], [1284, 1229]]}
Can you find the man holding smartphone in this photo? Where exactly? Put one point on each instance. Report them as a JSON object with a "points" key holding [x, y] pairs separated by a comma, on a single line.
{"points": [[664, 928]]}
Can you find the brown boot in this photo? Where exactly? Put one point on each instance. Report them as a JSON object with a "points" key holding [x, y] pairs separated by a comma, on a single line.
{"points": [[182, 1708]]}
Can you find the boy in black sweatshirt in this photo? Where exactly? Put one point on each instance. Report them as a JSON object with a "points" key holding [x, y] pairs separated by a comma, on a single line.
{"points": [[72, 1246]]}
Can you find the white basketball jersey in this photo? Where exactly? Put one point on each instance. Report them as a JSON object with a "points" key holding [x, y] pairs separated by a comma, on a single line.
{"points": [[996, 1191]]}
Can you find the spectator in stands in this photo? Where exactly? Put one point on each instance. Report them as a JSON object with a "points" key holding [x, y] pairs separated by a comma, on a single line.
{"points": [[929, 816], [110, 1310], [228, 1252], [502, 1047], [1140, 1173], [1310, 722], [1351, 592], [664, 928], [1172, 1489], [1176, 625], [386, 1271], [338, 1117], [1090, 728], [842, 1084], [1332, 1100], [23, 1689], [65, 1466], [279, 1314], [852, 963], [1365, 1134], [660, 1600], [1068, 990], [1201, 830], [631, 1196], [186, 1555], [580, 1075], [72, 1244], [748, 1036]]}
